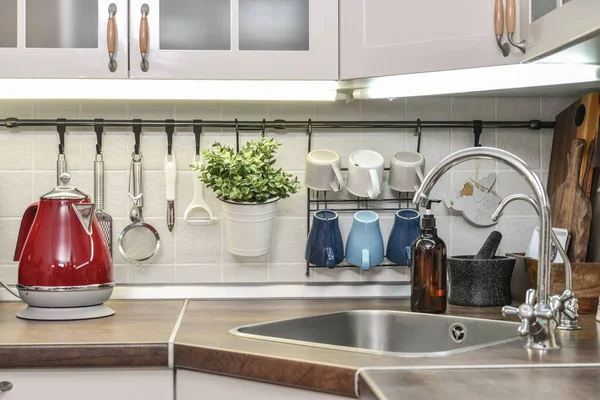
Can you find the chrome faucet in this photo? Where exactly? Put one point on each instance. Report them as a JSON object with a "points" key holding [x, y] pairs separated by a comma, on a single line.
{"points": [[537, 313], [569, 309]]}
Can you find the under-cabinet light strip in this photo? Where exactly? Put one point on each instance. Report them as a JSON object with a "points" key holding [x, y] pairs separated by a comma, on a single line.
{"points": [[130, 89], [476, 80]]}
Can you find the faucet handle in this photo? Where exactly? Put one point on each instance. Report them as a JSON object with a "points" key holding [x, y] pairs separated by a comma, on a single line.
{"points": [[528, 312], [566, 306]]}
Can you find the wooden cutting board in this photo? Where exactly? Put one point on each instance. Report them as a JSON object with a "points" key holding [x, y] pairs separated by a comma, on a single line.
{"points": [[571, 207], [579, 120]]}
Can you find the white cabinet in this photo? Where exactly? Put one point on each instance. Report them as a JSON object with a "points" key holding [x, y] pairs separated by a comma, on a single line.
{"points": [[391, 37], [201, 386], [88, 384], [234, 39], [552, 25], [61, 39]]}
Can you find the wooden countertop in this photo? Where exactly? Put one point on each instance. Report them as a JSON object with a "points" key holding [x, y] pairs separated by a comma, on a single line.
{"points": [[137, 335], [489, 384], [202, 345]]}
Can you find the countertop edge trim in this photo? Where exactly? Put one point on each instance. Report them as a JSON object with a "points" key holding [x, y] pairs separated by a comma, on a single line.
{"points": [[171, 344]]}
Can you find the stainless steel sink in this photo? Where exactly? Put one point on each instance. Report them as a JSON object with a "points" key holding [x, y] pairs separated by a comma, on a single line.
{"points": [[395, 333]]}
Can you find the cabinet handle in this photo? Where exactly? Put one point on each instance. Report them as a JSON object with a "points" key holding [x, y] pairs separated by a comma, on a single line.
{"points": [[499, 27], [144, 36], [5, 386], [111, 37], [511, 21]]}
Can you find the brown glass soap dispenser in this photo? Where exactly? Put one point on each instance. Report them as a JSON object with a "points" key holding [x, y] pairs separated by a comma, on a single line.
{"points": [[428, 263]]}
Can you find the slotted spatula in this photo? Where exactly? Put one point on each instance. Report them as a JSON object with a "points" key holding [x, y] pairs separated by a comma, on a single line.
{"points": [[104, 219]]}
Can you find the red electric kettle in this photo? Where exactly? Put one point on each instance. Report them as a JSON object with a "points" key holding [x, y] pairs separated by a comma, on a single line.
{"points": [[65, 269]]}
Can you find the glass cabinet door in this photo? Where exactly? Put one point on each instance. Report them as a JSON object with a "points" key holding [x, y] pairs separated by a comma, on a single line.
{"points": [[8, 24], [65, 39], [234, 39]]}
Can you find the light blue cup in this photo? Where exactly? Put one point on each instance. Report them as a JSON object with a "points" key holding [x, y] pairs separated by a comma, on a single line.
{"points": [[364, 247]]}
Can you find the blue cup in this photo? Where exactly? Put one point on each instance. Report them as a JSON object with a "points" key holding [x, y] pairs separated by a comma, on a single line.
{"points": [[365, 243], [404, 232], [324, 246]]}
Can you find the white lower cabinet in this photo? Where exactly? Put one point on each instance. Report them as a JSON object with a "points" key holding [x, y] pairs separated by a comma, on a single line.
{"points": [[201, 386], [88, 384]]}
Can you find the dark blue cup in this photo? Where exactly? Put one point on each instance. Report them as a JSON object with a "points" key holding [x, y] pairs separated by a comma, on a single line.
{"points": [[324, 246], [405, 231]]}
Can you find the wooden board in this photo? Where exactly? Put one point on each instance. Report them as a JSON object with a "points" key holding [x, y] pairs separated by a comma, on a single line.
{"points": [[571, 208], [585, 281], [580, 120]]}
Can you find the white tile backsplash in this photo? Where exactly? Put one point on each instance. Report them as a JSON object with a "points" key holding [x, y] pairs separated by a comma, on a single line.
{"points": [[198, 253]]}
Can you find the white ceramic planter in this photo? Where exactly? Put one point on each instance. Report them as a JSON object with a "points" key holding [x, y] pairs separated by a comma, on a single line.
{"points": [[249, 227]]}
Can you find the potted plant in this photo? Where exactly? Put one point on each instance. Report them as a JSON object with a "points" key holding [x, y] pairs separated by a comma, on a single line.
{"points": [[249, 186]]}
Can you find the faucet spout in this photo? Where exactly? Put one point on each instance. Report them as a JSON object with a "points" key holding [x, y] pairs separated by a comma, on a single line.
{"points": [[543, 278]]}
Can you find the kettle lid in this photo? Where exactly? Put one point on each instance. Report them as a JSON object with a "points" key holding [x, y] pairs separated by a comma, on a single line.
{"points": [[65, 192]]}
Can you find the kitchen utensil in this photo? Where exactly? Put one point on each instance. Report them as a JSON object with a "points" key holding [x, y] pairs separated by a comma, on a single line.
{"points": [[364, 247], [324, 246], [580, 120], [138, 241], [197, 203], [406, 171], [64, 262], [365, 173], [323, 171], [480, 283], [490, 246], [170, 174], [104, 219], [61, 162], [405, 230], [571, 208]]}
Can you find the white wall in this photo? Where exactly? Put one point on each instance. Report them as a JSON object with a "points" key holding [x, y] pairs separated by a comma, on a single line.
{"points": [[199, 253]]}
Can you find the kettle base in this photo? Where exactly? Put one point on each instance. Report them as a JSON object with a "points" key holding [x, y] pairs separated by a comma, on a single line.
{"points": [[66, 313]]}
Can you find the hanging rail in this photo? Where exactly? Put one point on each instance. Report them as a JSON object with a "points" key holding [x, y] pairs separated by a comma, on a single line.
{"points": [[279, 124]]}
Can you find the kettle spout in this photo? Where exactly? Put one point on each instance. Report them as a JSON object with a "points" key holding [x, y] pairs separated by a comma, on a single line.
{"points": [[85, 213], [26, 224]]}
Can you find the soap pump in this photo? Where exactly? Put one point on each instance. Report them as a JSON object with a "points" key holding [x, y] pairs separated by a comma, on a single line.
{"points": [[428, 263]]}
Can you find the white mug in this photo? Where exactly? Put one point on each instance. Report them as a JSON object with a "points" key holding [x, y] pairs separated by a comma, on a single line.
{"points": [[324, 171], [406, 171], [365, 173]]}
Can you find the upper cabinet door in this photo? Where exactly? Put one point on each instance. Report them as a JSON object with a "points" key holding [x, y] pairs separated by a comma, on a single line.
{"points": [[234, 39], [63, 38], [549, 26], [391, 37]]}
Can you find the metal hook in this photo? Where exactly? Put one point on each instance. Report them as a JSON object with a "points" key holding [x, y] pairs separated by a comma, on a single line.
{"points": [[237, 136], [61, 128], [477, 130], [418, 134], [137, 133], [263, 129], [99, 128], [170, 130], [309, 131], [520, 45], [197, 128]]}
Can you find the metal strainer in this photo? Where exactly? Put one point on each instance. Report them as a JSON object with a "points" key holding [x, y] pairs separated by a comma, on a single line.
{"points": [[138, 241]]}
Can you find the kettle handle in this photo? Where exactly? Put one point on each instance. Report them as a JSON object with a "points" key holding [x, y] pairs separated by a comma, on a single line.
{"points": [[26, 224]]}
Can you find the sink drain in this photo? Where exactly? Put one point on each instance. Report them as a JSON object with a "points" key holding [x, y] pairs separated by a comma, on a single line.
{"points": [[458, 333]]}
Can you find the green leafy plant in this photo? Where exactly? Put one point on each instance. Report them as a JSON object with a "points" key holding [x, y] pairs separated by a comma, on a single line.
{"points": [[248, 175]]}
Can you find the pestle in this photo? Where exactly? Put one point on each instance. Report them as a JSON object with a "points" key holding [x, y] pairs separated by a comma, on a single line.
{"points": [[488, 250]]}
